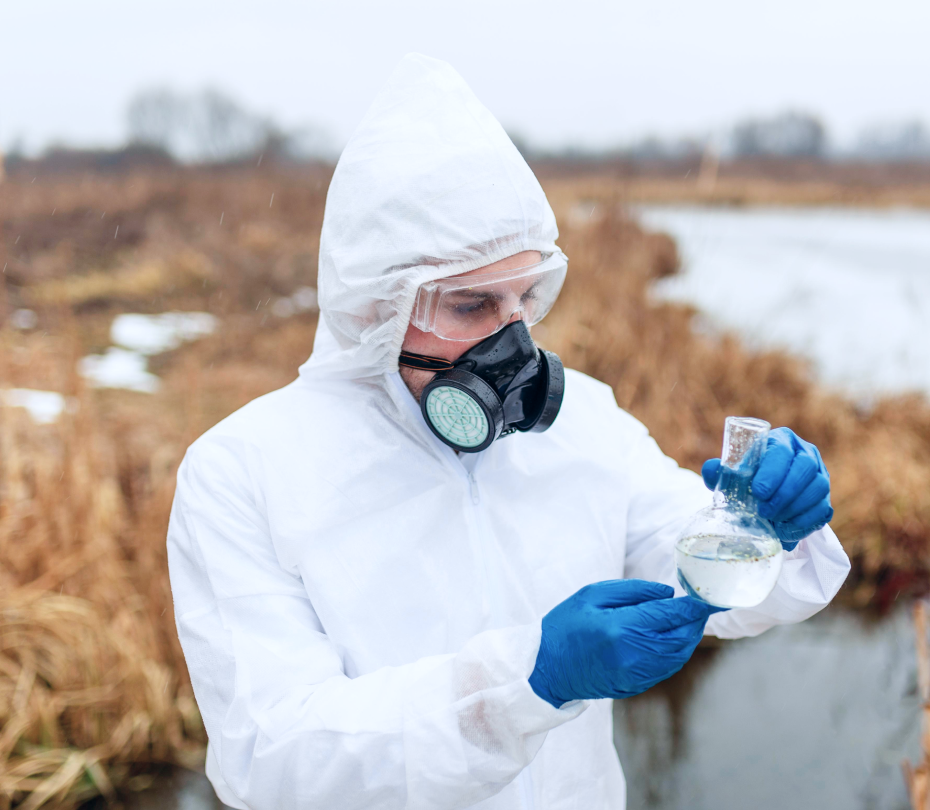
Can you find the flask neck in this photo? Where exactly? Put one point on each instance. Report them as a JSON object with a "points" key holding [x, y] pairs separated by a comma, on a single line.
{"points": [[733, 490], [744, 443]]}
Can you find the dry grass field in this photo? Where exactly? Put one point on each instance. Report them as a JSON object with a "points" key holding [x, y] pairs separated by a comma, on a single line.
{"points": [[93, 688], [759, 181]]}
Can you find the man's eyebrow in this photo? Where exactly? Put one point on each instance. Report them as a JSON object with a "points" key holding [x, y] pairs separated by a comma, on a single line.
{"points": [[477, 295]]}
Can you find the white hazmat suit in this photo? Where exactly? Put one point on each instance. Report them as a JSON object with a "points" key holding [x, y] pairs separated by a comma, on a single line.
{"points": [[359, 606]]}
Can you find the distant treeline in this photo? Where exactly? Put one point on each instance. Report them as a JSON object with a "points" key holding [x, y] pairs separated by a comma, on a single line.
{"points": [[846, 170], [791, 134], [165, 128]]}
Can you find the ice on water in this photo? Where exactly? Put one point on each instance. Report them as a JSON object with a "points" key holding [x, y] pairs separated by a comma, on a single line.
{"points": [[847, 289]]}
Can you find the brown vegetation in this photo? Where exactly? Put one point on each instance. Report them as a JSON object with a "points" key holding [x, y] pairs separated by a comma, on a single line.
{"points": [[759, 181], [917, 777], [93, 688]]}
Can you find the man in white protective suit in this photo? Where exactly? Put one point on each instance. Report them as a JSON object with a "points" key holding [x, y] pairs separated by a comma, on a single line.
{"points": [[405, 579]]}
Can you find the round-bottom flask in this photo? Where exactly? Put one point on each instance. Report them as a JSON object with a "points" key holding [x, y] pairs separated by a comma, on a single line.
{"points": [[728, 555]]}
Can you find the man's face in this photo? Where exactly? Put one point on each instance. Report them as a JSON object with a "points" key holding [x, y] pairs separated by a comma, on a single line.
{"points": [[504, 297]]}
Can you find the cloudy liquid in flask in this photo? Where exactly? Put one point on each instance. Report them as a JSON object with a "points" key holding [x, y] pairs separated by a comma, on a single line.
{"points": [[727, 572], [728, 555]]}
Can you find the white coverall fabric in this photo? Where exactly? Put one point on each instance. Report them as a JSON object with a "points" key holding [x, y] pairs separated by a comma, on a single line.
{"points": [[360, 607]]}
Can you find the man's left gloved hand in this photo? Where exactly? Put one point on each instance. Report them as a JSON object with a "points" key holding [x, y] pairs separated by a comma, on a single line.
{"points": [[791, 485]]}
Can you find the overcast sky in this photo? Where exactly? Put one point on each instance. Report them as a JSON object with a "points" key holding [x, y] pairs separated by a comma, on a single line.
{"points": [[573, 72]]}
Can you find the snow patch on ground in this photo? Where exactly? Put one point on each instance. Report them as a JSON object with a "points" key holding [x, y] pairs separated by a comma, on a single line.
{"points": [[119, 368], [137, 337], [43, 406], [304, 300], [153, 334]]}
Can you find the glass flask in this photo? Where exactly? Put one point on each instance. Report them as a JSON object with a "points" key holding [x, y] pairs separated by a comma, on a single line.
{"points": [[728, 555]]}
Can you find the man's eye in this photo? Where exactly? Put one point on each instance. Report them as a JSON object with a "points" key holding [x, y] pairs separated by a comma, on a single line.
{"points": [[464, 309]]}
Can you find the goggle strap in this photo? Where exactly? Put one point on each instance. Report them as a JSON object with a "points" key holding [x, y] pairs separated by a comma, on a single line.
{"points": [[424, 362]]}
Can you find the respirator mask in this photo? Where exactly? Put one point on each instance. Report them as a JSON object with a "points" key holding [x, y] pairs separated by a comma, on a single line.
{"points": [[506, 382]]}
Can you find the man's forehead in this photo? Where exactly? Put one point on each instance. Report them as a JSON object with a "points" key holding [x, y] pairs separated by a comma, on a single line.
{"points": [[524, 259]]}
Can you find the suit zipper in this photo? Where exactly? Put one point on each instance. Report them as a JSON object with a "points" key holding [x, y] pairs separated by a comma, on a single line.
{"points": [[484, 535], [488, 553], [526, 789]]}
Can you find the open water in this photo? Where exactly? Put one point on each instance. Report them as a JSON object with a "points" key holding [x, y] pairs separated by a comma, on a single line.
{"points": [[813, 715]]}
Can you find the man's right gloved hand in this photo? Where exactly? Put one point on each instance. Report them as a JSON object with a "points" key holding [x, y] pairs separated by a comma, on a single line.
{"points": [[615, 639]]}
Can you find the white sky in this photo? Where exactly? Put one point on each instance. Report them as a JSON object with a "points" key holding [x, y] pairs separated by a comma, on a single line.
{"points": [[581, 72]]}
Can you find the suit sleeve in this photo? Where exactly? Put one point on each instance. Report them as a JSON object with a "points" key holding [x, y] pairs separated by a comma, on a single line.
{"points": [[287, 726], [663, 496]]}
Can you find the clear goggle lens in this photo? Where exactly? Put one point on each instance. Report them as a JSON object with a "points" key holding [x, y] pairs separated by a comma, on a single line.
{"points": [[472, 307]]}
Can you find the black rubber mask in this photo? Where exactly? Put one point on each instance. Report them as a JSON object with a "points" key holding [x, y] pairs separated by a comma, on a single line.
{"points": [[504, 384]]}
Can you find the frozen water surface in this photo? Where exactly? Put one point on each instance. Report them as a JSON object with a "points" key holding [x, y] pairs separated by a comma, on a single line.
{"points": [[847, 289]]}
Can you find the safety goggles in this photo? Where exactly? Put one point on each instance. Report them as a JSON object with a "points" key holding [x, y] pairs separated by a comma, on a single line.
{"points": [[472, 307]]}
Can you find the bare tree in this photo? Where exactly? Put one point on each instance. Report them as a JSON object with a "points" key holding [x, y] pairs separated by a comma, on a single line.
{"points": [[157, 117], [223, 130], [208, 126], [909, 140]]}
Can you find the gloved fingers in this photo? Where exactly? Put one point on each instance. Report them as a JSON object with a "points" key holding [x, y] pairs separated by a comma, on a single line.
{"points": [[803, 471], [672, 663], [665, 614], [710, 472], [790, 535], [669, 642], [776, 461], [617, 593], [695, 634], [817, 491], [643, 684], [814, 518], [822, 466]]}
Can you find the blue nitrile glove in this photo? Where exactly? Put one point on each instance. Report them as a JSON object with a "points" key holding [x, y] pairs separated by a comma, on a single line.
{"points": [[615, 639], [791, 485]]}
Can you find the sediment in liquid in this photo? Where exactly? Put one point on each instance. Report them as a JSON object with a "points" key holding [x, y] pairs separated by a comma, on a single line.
{"points": [[727, 571]]}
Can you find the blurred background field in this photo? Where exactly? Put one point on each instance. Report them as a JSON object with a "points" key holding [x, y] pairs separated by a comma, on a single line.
{"points": [[744, 194], [93, 684]]}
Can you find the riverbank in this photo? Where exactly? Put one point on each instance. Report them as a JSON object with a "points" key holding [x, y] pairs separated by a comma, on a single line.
{"points": [[94, 688], [682, 382]]}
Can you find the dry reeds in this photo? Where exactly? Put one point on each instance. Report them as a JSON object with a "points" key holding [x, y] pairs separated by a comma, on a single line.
{"points": [[85, 702], [92, 686], [707, 181], [917, 777]]}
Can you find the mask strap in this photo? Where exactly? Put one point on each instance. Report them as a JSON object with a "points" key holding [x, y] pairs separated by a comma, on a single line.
{"points": [[424, 362]]}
